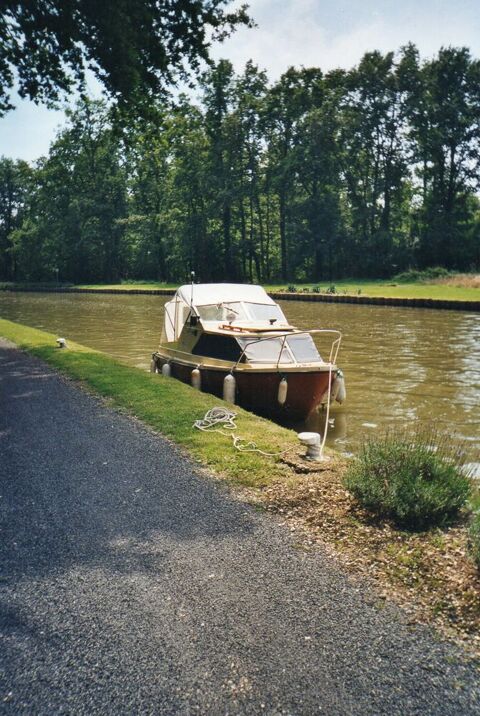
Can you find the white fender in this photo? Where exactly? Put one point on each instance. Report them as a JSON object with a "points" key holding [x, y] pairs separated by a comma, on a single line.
{"points": [[166, 370], [229, 386], [282, 391], [196, 379], [153, 366], [339, 391]]}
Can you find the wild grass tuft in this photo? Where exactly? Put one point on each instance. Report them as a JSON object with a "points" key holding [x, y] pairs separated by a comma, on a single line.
{"points": [[461, 280], [416, 480], [428, 274]]}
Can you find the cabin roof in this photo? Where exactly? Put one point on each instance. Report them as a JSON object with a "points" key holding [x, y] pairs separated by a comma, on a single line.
{"points": [[206, 294]]}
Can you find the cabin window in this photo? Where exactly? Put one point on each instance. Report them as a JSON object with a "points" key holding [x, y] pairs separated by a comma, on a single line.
{"points": [[266, 351], [214, 346], [303, 348]]}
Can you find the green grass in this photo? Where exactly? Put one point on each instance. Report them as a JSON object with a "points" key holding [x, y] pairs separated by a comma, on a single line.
{"points": [[380, 288], [130, 285], [166, 405], [389, 289], [33, 284], [355, 287]]}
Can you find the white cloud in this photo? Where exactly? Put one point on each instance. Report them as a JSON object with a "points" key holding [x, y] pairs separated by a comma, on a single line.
{"points": [[329, 35]]}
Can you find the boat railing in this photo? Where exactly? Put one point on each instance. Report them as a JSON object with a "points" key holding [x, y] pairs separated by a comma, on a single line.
{"points": [[332, 359], [334, 348]]}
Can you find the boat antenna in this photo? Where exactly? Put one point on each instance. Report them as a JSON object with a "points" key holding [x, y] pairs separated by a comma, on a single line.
{"points": [[192, 276]]}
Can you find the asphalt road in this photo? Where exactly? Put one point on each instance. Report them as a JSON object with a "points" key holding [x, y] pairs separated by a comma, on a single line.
{"points": [[131, 584]]}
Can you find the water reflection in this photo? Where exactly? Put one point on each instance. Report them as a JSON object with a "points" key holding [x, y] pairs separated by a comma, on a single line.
{"points": [[401, 365]]}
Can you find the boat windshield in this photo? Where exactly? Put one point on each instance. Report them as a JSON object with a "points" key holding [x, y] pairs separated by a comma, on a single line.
{"points": [[299, 348], [240, 311], [265, 312], [231, 311]]}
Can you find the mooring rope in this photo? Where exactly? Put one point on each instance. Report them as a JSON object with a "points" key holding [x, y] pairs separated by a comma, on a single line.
{"points": [[217, 416], [222, 416]]}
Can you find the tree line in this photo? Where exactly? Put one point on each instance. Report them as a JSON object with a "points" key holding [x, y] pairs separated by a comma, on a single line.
{"points": [[316, 176]]}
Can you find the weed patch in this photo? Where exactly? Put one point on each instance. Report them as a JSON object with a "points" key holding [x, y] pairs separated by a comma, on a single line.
{"points": [[415, 480], [428, 274]]}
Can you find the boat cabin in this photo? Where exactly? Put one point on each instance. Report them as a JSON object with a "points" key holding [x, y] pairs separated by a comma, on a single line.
{"points": [[234, 323]]}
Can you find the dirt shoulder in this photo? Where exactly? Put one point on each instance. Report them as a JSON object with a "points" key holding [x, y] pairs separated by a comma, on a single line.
{"points": [[430, 574]]}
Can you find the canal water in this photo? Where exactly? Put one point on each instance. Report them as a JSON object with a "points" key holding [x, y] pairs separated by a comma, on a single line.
{"points": [[402, 365]]}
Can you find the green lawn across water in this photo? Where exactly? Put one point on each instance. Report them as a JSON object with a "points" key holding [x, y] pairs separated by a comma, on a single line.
{"points": [[354, 287], [386, 289], [130, 286]]}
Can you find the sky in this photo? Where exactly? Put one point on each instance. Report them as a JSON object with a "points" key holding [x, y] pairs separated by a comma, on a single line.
{"points": [[319, 33]]}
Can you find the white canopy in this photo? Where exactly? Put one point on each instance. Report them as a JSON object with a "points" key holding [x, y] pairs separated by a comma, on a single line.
{"points": [[206, 294]]}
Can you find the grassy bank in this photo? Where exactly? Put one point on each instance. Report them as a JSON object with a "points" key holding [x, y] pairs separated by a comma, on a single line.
{"points": [[388, 289], [439, 290], [133, 285], [166, 405], [430, 573], [379, 288]]}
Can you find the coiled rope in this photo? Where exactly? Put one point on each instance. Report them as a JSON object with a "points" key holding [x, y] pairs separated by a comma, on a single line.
{"points": [[217, 416], [226, 418]]}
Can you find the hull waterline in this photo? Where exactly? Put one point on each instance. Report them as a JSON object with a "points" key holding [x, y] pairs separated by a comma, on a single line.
{"points": [[258, 390]]}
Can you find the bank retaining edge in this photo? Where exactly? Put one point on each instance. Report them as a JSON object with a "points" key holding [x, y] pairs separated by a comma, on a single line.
{"points": [[279, 296]]}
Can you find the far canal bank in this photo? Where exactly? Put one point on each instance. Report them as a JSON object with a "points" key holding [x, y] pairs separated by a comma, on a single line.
{"points": [[312, 297]]}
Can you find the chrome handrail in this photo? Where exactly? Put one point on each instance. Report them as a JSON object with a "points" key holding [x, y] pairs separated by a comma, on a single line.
{"points": [[334, 348]]}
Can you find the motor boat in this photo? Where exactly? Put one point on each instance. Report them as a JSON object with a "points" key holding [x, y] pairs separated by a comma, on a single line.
{"points": [[234, 341]]}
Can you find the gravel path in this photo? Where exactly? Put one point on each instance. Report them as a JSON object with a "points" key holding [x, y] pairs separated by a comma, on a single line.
{"points": [[130, 584]]}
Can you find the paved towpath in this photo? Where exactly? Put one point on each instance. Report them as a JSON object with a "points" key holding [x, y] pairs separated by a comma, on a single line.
{"points": [[132, 585]]}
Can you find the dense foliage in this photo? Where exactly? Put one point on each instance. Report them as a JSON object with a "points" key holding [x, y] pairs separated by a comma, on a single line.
{"points": [[316, 176], [134, 48], [417, 481]]}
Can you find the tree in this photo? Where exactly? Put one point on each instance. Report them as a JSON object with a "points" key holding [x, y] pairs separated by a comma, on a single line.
{"points": [[288, 101], [318, 163], [147, 161], [76, 208], [134, 47], [218, 98], [359, 173], [14, 191], [192, 205], [375, 166], [250, 91], [443, 110]]}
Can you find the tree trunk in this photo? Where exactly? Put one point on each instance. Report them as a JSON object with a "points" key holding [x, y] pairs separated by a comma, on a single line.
{"points": [[283, 236]]}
